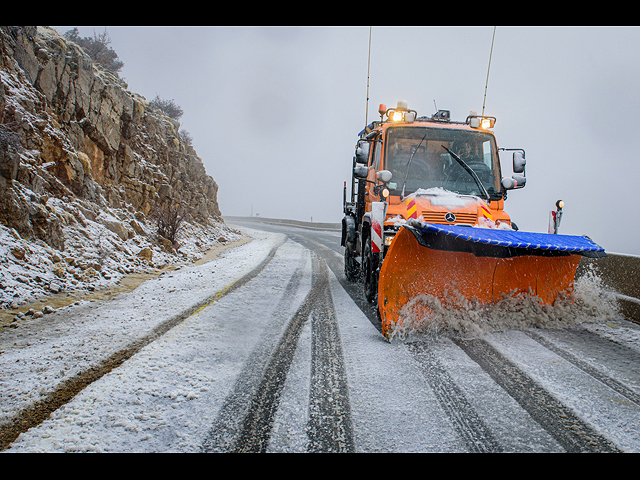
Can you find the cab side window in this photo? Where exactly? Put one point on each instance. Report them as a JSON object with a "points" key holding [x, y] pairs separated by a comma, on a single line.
{"points": [[375, 154]]}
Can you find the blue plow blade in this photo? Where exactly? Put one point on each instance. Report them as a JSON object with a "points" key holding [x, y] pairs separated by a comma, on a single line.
{"points": [[506, 243]]}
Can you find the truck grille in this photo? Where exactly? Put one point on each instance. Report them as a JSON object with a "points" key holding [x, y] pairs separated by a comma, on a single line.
{"points": [[438, 217]]}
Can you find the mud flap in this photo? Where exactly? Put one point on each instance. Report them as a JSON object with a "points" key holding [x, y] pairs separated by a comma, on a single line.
{"points": [[455, 264]]}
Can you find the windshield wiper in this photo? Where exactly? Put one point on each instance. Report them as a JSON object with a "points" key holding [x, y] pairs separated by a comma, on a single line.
{"points": [[470, 172], [409, 166]]}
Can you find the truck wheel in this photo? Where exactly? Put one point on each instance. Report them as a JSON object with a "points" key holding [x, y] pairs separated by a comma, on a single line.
{"points": [[370, 271], [351, 266]]}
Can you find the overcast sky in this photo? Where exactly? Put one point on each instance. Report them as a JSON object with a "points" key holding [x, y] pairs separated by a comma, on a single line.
{"points": [[274, 112]]}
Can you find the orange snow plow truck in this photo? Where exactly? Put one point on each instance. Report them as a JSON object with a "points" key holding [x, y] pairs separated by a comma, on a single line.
{"points": [[426, 217]]}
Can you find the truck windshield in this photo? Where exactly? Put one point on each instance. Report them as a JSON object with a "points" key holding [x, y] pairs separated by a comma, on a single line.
{"points": [[432, 166]]}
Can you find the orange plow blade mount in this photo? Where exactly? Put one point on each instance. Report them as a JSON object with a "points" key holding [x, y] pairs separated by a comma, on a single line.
{"points": [[456, 264]]}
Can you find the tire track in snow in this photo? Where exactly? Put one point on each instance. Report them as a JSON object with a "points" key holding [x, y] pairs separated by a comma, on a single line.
{"points": [[573, 434], [335, 262], [245, 420], [476, 435], [37, 413], [255, 429], [329, 427], [239, 413], [585, 367]]}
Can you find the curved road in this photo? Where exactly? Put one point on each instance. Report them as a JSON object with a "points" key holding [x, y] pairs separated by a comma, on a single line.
{"points": [[533, 390], [291, 359]]}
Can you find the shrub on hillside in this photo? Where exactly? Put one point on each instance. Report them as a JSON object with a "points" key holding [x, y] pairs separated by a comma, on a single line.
{"points": [[97, 48], [169, 220], [168, 107]]}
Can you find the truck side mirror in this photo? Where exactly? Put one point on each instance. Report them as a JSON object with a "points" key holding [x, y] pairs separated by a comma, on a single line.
{"points": [[519, 162], [508, 183], [520, 180], [516, 181], [362, 152], [360, 171]]}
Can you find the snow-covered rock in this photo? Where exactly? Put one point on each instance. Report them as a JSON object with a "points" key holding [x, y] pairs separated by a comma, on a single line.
{"points": [[83, 165]]}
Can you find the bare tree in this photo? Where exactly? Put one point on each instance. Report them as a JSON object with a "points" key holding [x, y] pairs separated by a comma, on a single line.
{"points": [[186, 137], [97, 48], [169, 220], [168, 107]]}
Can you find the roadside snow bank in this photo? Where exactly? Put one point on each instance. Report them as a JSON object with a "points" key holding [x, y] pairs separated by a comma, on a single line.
{"points": [[37, 357], [95, 257]]}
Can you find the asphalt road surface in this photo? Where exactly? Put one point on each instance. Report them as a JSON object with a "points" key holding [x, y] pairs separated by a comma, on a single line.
{"points": [[533, 390], [290, 358]]}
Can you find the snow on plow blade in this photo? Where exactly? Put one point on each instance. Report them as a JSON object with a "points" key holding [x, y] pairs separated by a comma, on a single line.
{"points": [[449, 262]]}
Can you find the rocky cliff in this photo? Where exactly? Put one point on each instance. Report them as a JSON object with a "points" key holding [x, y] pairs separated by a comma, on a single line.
{"points": [[83, 164]]}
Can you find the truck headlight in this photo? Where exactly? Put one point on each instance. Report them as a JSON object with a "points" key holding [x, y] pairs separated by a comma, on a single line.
{"points": [[388, 239]]}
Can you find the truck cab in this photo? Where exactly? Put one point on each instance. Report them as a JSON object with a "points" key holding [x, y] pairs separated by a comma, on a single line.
{"points": [[430, 169]]}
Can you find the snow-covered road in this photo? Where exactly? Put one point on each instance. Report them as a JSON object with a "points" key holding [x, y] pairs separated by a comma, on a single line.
{"points": [[287, 361]]}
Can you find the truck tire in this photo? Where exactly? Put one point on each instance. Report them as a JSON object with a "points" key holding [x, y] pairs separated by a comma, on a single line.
{"points": [[370, 272], [351, 266]]}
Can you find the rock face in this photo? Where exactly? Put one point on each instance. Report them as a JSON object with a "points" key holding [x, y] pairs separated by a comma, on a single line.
{"points": [[83, 134], [83, 162]]}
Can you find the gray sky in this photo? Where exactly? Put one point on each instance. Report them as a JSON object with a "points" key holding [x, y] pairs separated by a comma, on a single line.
{"points": [[274, 112]]}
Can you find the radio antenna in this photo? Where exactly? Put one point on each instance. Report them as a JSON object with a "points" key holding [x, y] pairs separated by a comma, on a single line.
{"points": [[487, 82], [366, 120]]}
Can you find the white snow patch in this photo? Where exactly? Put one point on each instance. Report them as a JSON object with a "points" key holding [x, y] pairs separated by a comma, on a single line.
{"points": [[446, 198], [94, 257], [37, 358]]}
